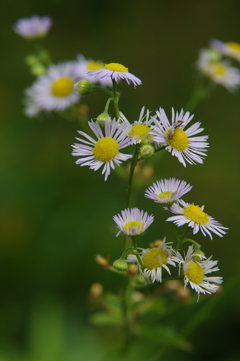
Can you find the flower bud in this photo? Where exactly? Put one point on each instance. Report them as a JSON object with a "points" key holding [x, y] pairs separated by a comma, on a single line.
{"points": [[214, 55], [102, 118], [120, 264], [84, 86], [198, 251], [146, 151], [132, 270], [38, 69], [96, 291], [102, 262]]}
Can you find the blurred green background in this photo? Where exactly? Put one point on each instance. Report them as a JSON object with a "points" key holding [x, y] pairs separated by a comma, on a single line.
{"points": [[55, 216]]}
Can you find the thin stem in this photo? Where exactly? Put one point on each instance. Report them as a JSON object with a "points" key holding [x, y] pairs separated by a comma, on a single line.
{"points": [[133, 165], [107, 104], [200, 91], [180, 240], [96, 87], [116, 96], [125, 319]]}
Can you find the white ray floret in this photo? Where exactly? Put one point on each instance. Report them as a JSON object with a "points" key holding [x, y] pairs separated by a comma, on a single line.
{"points": [[105, 150], [83, 66], [34, 27], [167, 190], [178, 141], [195, 272], [196, 218], [231, 49], [133, 221], [155, 260], [116, 72]]}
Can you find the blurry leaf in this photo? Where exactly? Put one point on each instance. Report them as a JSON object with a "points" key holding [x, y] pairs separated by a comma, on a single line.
{"points": [[102, 318], [112, 299], [166, 336]]}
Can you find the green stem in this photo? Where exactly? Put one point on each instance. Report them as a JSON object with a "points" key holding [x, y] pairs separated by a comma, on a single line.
{"points": [[116, 96], [133, 165], [107, 104], [180, 240], [200, 91], [96, 87], [192, 241], [125, 318]]}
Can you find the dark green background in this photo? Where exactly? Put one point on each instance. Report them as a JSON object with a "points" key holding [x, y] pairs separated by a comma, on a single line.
{"points": [[55, 216]]}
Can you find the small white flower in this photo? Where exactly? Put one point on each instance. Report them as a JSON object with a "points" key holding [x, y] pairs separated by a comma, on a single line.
{"points": [[178, 141], [220, 72], [230, 49], [31, 109], [105, 150], [167, 190], [133, 221], [195, 272], [83, 66], [34, 27], [140, 128], [115, 71], [55, 89], [154, 260], [196, 218]]}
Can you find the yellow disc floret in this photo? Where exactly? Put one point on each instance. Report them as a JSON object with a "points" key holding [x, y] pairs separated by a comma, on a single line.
{"points": [[235, 47], [195, 273], [139, 131], [133, 227], [154, 258], [179, 140], [94, 65], [106, 149], [165, 195], [195, 213], [62, 87], [115, 67], [220, 70]]}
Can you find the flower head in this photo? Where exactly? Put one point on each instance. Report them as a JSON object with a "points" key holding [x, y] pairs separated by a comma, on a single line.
{"points": [[133, 221], [231, 49], [116, 72], [220, 72], [83, 66], [178, 141], [196, 218], [167, 191], [195, 272], [154, 260], [34, 27], [105, 150], [55, 89]]}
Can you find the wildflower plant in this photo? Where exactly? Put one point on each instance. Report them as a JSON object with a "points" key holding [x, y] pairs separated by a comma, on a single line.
{"points": [[111, 142]]}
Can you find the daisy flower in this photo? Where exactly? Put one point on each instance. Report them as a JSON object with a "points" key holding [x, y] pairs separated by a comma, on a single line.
{"points": [[132, 221], [154, 260], [34, 27], [196, 218], [167, 191], [55, 89], [230, 49], [195, 272], [82, 66], [116, 72], [220, 72], [105, 150], [178, 141], [141, 127]]}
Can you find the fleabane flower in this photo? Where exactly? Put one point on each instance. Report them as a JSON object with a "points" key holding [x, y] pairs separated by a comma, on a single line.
{"points": [[34, 27], [55, 89], [116, 72], [133, 221], [105, 150], [195, 272], [231, 49], [140, 128], [167, 191], [154, 260], [220, 72], [196, 218], [83, 66]]}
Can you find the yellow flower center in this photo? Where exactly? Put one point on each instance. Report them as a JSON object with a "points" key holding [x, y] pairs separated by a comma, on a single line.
{"points": [[94, 65], [139, 130], [62, 87], [220, 69], [106, 149], [165, 195], [235, 47], [151, 258], [115, 67], [195, 273], [195, 213], [133, 227], [179, 139]]}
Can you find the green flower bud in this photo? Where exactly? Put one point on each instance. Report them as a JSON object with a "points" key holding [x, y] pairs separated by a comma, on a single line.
{"points": [[102, 118], [147, 151], [140, 279], [120, 264], [84, 86], [31, 60], [201, 253], [38, 70], [214, 55], [146, 141]]}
